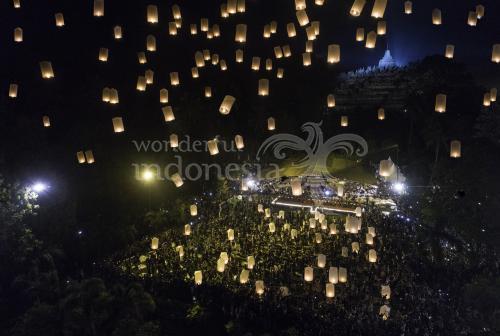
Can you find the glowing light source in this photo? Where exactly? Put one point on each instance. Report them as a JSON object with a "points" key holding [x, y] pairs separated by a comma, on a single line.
{"points": [[39, 187]]}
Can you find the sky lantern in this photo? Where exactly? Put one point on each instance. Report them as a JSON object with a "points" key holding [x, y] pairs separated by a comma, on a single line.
{"points": [[269, 64], [213, 149], [333, 275], [308, 274], [241, 33], [267, 31], [487, 99], [480, 11], [355, 247], [371, 40], [187, 230], [342, 274], [472, 19], [455, 149], [141, 83], [358, 211], [378, 9], [278, 52], [296, 187], [150, 43], [152, 14], [255, 63], [263, 87], [318, 238], [208, 92], [141, 57], [239, 56], [330, 100], [154, 243], [89, 156], [118, 125], [302, 18], [386, 168], [18, 34], [240, 6], [344, 121], [174, 140], [306, 59], [194, 72], [80, 156], [250, 262], [321, 260], [227, 104], [193, 210], [46, 121], [46, 70], [174, 78], [311, 35], [408, 7], [381, 114], [221, 265], [372, 256], [16, 3], [244, 275], [360, 34], [172, 28], [177, 179], [13, 88], [230, 234], [193, 29], [315, 25], [224, 256], [176, 12], [440, 105], [495, 54], [168, 113], [272, 227], [340, 190], [273, 27], [280, 72], [290, 29], [436, 16], [98, 8], [106, 94], [178, 23], [493, 94], [333, 229], [215, 59], [381, 27], [300, 4], [450, 51], [287, 52], [333, 53], [199, 59], [271, 124], [369, 239], [117, 32], [357, 7], [59, 19], [259, 287], [103, 54], [198, 277], [238, 140], [204, 24], [164, 96], [231, 6], [309, 46]]}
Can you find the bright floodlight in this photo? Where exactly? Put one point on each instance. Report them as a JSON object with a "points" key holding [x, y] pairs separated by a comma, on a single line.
{"points": [[39, 187], [399, 187], [147, 175]]}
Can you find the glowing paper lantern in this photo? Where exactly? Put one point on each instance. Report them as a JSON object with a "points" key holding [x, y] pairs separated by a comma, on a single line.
{"points": [[381, 28], [215, 59], [296, 187], [168, 113], [344, 121], [17, 3], [357, 7], [440, 105], [193, 210], [198, 277], [230, 234], [267, 31], [436, 16], [472, 19], [187, 230], [278, 52], [280, 72], [244, 275], [321, 260], [80, 157], [408, 7], [385, 292], [174, 140], [221, 265], [379, 8], [118, 125], [174, 78], [231, 6], [18, 34], [355, 247], [318, 238], [193, 29], [271, 124], [199, 59], [98, 8], [330, 290], [250, 262], [212, 147], [386, 168], [255, 63], [194, 72], [46, 70], [308, 274], [381, 114], [117, 32], [59, 19], [455, 149], [385, 311], [263, 87], [358, 211], [340, 190], [152, 14], [272, 227], [176, 12], [315, 26], [154, 243], [224, 256], [369, 239], [89, 156], [238, 140], [177, 180], [46, 121], [302, 18], [150, 43], [300, 4], [241, 33], [13, 88], [450, 51], [290, 29], [333, 53], [204, 24], [240, 6], [103, 54], [141, 83], [486, 99], [333, 229], [172, 28], [259, 287], [106, 94], [342, 274], [287, 52], [180, 249], [227, 104], [269, 64], [273, 27], [141, 57], [493, 94], [311, 35], [371, 40], [360, 34], [495, 54], [372, 256], [294, 233], [239, 56], [330, 100], [333, 275], [480, 11], [208, 92], [164, 96], [113, 97], [306, 59]]}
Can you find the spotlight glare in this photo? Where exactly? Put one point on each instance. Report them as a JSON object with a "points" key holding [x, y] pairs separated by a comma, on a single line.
{"points": [[39, 187]]}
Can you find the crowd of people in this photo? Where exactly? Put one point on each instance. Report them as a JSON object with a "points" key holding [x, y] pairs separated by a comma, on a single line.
{"points": [[415, 305]]}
